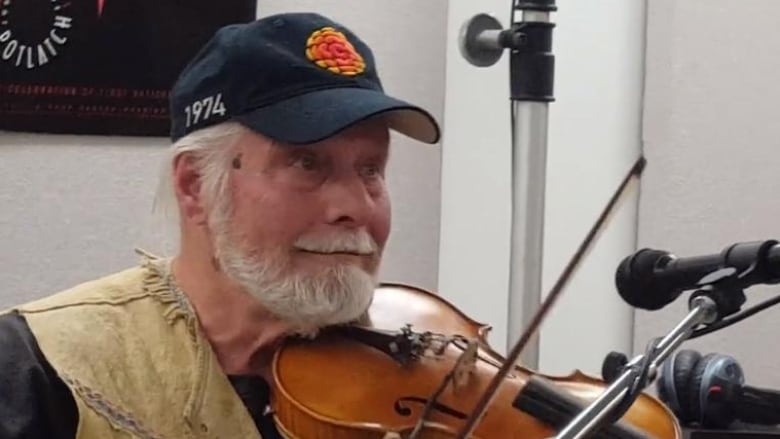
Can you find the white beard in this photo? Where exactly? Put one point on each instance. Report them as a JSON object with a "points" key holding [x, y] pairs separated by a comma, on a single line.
{"points": [[306, 301]]}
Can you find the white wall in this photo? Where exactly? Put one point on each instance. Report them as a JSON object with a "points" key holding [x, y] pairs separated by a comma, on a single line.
{"points": [[74, 207], [711, 138], [594, 139]]}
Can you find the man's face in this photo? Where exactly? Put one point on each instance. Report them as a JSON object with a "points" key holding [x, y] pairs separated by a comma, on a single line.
{"points": [[308, 224]]}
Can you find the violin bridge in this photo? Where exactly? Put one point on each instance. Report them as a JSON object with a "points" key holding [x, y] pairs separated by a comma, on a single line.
{"points": [[465, 366]]}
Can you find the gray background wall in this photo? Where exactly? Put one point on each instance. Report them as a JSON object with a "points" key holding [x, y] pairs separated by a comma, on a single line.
{"points": [[74, 207], [712, 143]]}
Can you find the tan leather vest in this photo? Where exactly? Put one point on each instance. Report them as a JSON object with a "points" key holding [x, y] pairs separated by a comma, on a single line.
{"points": [[129, 348]]}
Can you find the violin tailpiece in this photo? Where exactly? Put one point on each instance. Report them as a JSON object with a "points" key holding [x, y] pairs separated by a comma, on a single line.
{"points": [[556, 407], [405, 345]]}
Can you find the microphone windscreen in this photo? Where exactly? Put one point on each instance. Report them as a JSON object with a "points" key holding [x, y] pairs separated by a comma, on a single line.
{"points": [[637, 283]]}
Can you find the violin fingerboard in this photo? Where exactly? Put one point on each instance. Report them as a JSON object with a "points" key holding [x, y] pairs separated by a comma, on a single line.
{"points": [[556, 407]]}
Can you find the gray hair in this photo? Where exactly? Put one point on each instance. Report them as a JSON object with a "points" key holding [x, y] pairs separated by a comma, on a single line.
{"points": [[212, 151]]}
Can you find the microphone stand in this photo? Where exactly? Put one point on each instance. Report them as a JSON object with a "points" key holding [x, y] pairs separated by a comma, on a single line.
{"points": [[707, 305], [482, 42]]}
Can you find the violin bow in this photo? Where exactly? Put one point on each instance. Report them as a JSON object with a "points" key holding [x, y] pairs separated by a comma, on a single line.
{"points": [[584, 247]]}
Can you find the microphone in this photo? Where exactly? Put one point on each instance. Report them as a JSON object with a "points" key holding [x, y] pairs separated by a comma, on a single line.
{"points": [[651, 279]]}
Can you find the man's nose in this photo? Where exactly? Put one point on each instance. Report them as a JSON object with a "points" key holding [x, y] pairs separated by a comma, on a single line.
{"points": [[349, 203]]}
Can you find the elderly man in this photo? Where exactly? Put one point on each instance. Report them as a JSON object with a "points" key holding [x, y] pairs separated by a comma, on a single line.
{"points": [[280, 131]]}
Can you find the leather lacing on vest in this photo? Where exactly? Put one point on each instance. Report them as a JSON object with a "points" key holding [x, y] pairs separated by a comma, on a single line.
{"points": [[160, 284]]}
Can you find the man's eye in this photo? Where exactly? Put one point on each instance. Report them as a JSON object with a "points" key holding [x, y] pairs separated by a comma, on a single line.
{"points": [[371, 171], [306, 163]]}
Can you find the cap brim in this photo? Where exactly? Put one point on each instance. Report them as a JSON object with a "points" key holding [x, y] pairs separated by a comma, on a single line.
{"points": [[320, 114]]}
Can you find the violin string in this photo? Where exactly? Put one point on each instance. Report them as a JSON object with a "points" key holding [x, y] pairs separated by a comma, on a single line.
{"points": [[429, 405], [434, 399], [490, 392]]}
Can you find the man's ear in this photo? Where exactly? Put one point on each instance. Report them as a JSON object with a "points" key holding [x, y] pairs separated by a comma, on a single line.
{"points": [[187, 185]]}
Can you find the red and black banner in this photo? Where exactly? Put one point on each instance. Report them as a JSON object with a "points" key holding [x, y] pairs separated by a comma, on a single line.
{"points": [[101, 66]]}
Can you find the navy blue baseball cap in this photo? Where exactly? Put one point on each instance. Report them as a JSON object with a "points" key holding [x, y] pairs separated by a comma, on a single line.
{"points": [[296, 78]]}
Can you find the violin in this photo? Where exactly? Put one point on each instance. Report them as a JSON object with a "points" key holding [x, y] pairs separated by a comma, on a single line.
{"points": [[417, 367], [347, 384]]}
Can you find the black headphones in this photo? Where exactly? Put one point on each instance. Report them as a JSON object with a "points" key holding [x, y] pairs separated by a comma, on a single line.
{"points": [[709, 391]]}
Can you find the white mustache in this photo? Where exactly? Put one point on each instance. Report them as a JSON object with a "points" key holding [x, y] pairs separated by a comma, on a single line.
{"points": [[359, 243]]}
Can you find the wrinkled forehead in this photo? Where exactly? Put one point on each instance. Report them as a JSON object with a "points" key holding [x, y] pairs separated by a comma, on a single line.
{"points": [[370, 137]]}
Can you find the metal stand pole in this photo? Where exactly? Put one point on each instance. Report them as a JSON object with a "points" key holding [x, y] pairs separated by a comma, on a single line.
{"points": [[482, 42]]}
